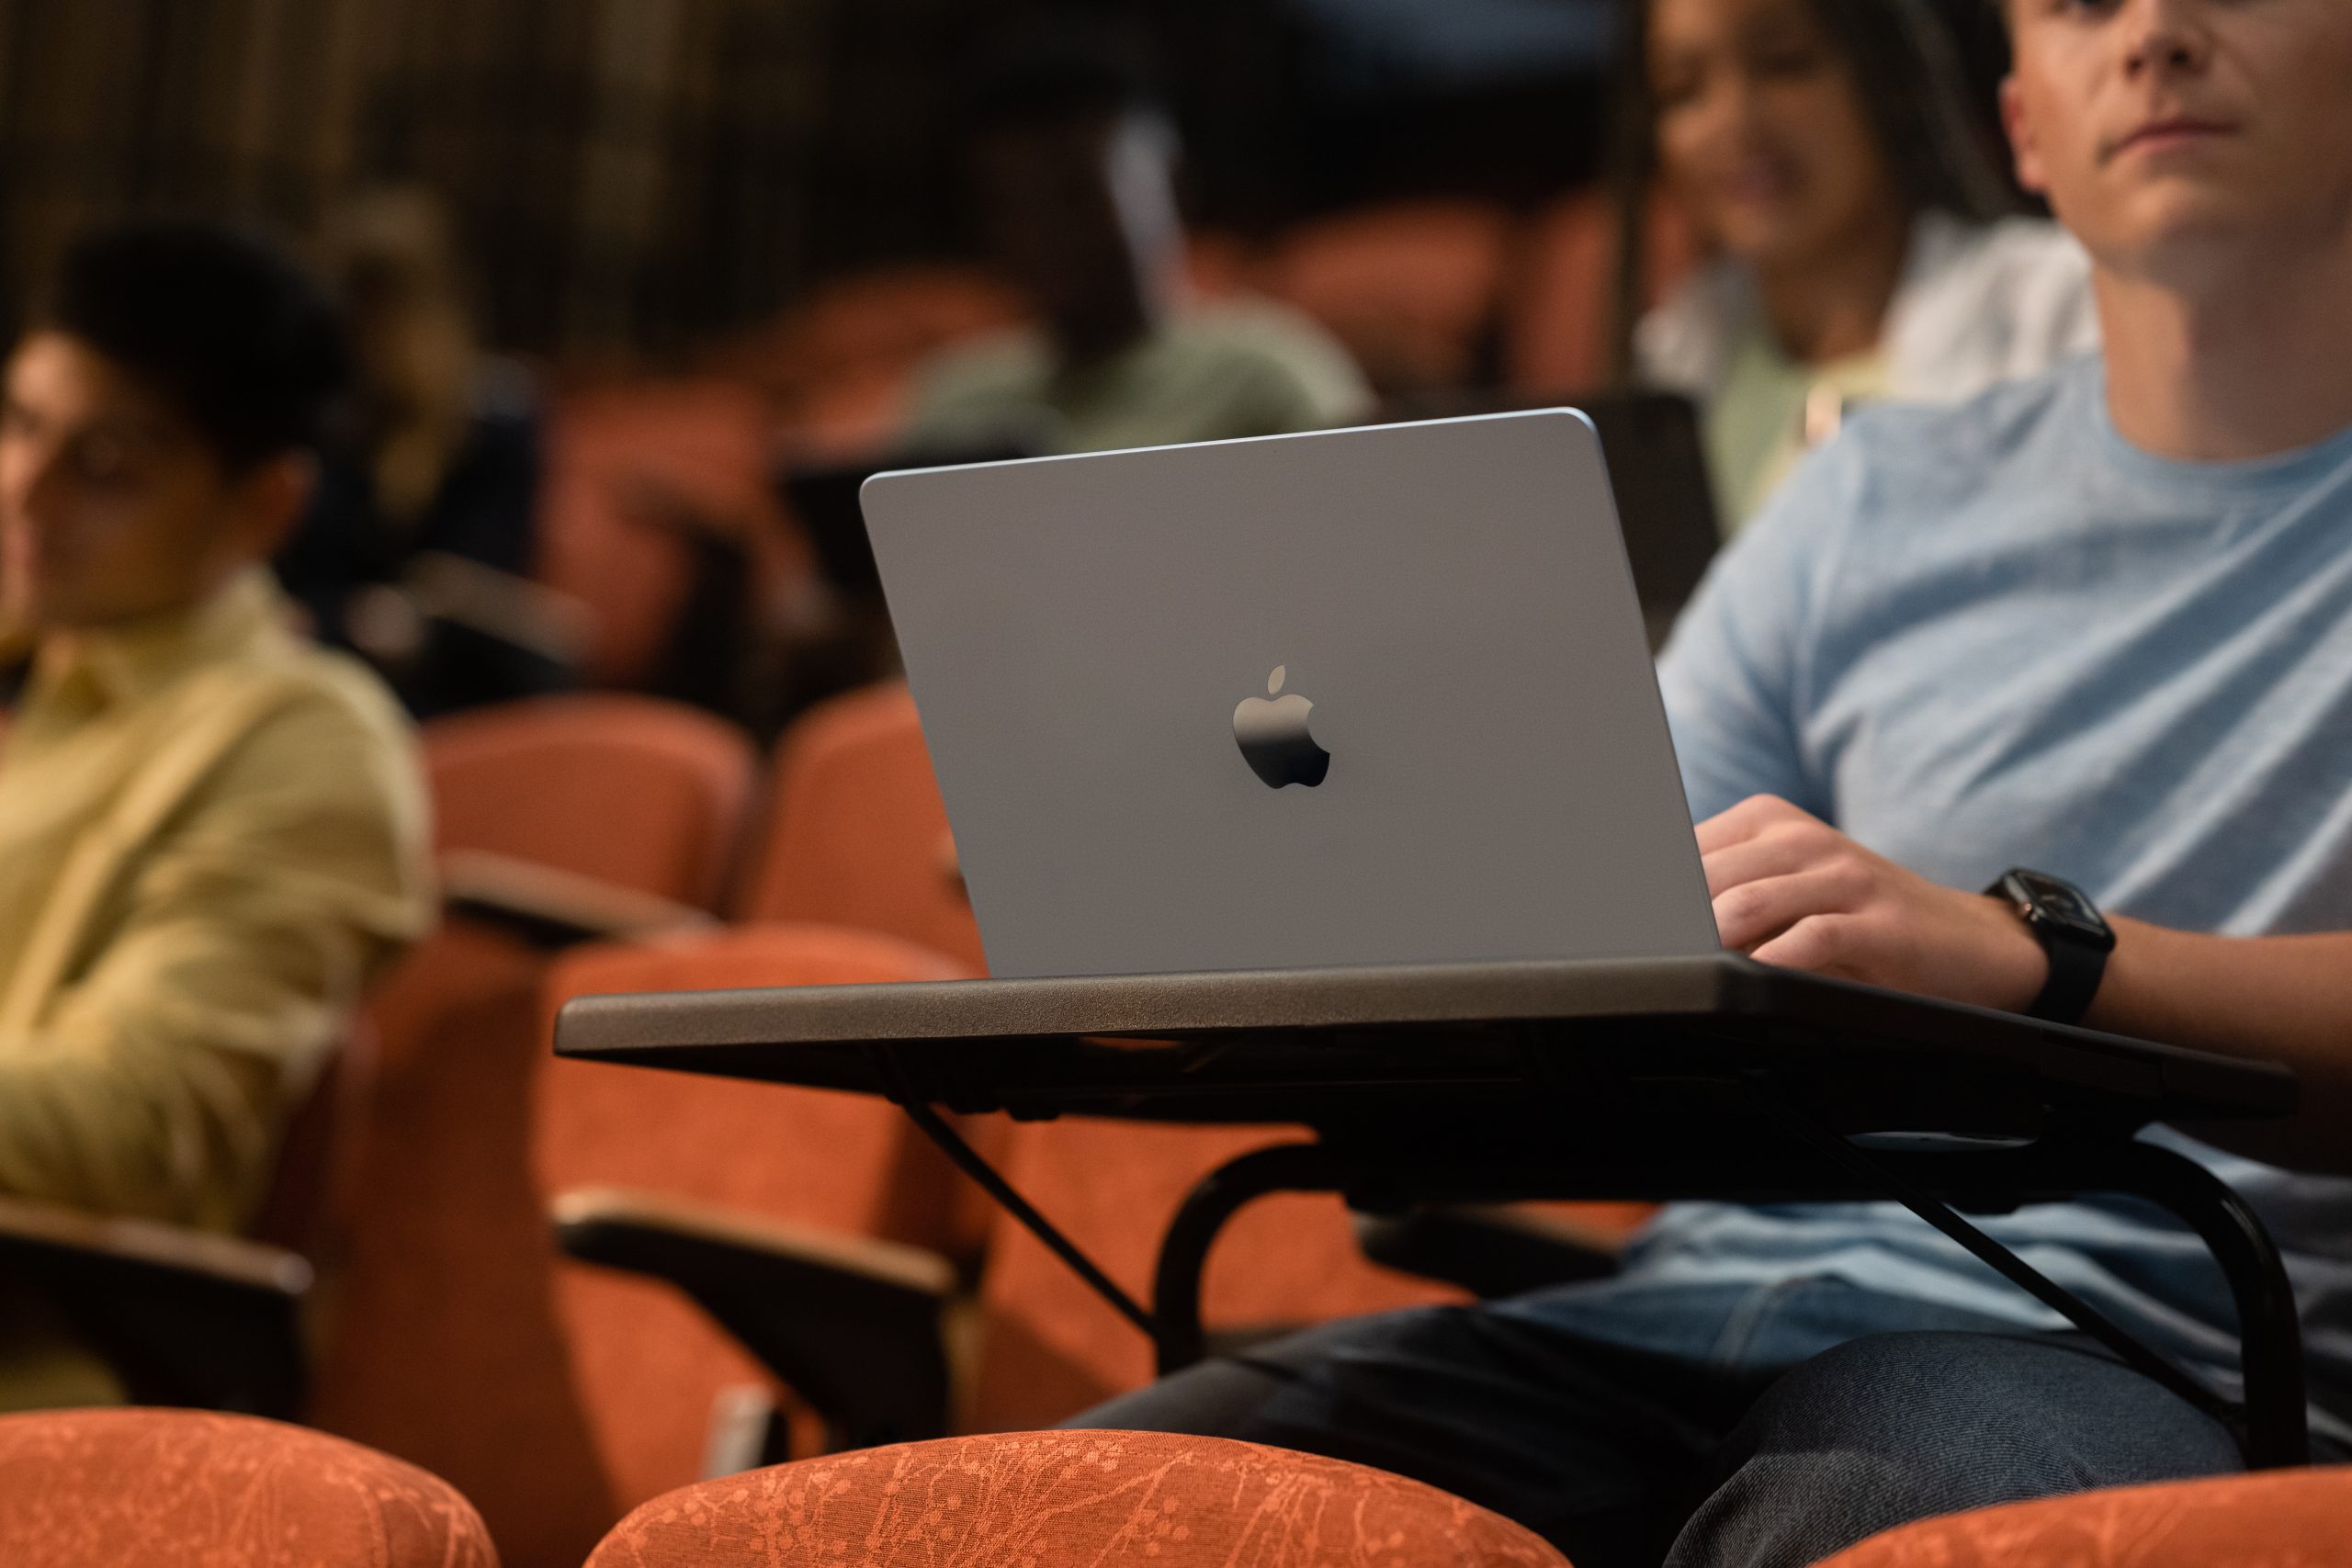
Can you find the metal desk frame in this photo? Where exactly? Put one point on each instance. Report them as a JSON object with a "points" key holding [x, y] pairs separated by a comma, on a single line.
{"points": [[1477, 1083]]}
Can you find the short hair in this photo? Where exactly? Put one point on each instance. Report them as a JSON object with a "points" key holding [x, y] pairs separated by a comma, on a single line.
{"points": [[1053, 75], [241, 338]]}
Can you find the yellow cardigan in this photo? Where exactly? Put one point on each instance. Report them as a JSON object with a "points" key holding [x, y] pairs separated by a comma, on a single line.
{"points": [[212, 835]]}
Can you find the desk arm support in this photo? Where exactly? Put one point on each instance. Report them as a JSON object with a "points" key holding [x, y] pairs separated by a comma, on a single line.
{"points": [[856, 1327], [184, 1317], [1490, 1250]]}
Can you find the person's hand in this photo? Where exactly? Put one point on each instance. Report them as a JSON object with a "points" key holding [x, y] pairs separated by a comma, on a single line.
{"points": [[1789, 889]]}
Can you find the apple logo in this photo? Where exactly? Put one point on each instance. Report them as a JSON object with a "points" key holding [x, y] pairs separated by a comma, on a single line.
{"points": [[1275, 738]]}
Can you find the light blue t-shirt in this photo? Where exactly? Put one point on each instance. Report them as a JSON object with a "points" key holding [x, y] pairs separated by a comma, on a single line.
{"points": [[2000, 635]]}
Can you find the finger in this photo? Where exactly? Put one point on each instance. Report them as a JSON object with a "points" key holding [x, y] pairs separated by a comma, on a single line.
{"points": [[1756, 912], [1744, 821], [1818, 944], [1781, 850]]}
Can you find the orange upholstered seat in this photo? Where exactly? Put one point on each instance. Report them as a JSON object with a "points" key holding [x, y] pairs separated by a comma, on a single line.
{"points": [[643, 795], [439, 1342], [181, 1489], [647, 1365], [633, 472], [1564, 292], [2298, 1518], [1053, 1347], [1410, 288], [1061, 1499], [857, 835]]}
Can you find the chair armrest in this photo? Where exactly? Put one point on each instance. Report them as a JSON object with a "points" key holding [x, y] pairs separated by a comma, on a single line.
{"points": [[857, 1327], [1490, 1250], [551, 908], [544, 621], [185, 1316]]}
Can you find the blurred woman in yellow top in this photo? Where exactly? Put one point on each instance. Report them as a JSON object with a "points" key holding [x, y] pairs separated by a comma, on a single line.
{"points": [[1864, 245]]}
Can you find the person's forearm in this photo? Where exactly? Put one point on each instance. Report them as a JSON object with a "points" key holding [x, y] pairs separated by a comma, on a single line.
{"points": [[2275, 999], [181, 1136]]}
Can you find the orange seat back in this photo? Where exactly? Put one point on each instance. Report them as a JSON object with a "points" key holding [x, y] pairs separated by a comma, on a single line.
{"points": [[632, 790], [1054, 1347], [1410, 288], [646, 1363], [438, 1341], [628, 465], [1562, 309], [857, 835]]}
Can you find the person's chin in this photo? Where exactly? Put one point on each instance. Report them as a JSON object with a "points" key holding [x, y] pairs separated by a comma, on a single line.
{"points": [[1768, 244]]}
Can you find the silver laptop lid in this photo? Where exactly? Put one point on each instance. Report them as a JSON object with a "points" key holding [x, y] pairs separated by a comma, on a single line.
{"points": [[1132, 667]]}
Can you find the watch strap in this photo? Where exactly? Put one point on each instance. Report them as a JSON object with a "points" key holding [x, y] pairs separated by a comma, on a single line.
{"points": [[2075, 970]]}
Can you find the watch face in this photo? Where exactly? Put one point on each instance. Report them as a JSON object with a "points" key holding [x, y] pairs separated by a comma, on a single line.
{"points": [[2062, 904]]}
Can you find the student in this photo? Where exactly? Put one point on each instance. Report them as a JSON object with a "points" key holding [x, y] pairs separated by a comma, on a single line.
{"points": [[1074, 169], [1866, 247], [212, 834], [416, 548], [2097, 624]]}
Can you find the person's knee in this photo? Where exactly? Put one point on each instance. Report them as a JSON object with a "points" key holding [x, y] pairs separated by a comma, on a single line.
{"points": [[1900, 1427], [1230, 1396]]}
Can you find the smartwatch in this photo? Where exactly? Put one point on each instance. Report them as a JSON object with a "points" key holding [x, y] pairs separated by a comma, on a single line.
{"points": [[2074, 934]]}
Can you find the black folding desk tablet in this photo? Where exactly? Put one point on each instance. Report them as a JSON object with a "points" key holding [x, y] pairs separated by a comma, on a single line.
{"points": [[1714, 1077]]}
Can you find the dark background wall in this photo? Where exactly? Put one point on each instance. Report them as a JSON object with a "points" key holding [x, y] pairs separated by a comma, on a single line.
{"points": [[635, 176]]}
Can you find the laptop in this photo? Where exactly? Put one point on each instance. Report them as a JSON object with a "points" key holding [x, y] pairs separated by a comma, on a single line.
{"points": [[1365, 697]]}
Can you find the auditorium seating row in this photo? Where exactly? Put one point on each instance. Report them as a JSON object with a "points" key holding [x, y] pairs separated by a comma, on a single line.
{"points": [[1429, 294], [596, 844], [178, 1489]]}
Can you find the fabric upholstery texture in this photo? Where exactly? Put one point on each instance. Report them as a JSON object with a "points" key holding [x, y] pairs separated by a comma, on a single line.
{"points": [[557, 780], [2284, 1519], [646, 1363], [858, 833], [1052, 1499], [438, 1341], [168, 1488]]}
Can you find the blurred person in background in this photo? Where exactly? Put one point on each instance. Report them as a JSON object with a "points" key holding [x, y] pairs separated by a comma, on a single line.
{"points": [[1073, 165], [415, 550], [211, 832], [1866, 246]]}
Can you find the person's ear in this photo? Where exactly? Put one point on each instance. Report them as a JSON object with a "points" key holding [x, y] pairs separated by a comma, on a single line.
{"points": [[2024, 146], [270, 500]]}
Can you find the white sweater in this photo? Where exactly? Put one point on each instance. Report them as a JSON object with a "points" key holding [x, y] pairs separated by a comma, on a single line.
{"points": [[1979, 303]]}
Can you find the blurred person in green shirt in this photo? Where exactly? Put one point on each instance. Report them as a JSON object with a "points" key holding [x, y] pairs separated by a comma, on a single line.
{"points": [[1073, 167], [212, 833]]}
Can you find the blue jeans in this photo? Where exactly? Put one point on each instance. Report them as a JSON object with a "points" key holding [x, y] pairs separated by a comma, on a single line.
{"points": [[1632, 1422]]}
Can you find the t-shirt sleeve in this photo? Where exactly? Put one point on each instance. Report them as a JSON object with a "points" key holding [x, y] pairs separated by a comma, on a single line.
{"points": [[1733, 673]]}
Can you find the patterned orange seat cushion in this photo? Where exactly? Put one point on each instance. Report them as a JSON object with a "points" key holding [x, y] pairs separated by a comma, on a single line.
{"points": [[2297, 1519], [184, 1489], [1047, 1499]]}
